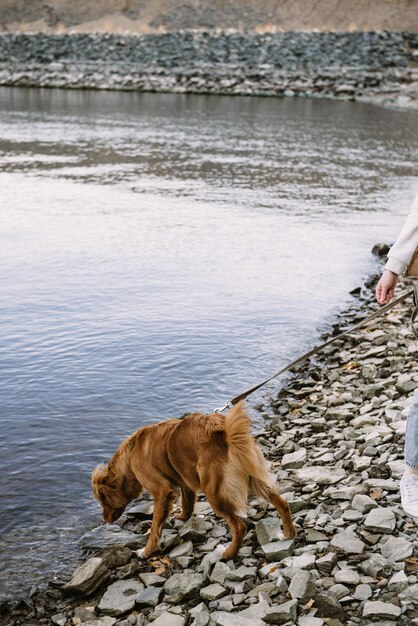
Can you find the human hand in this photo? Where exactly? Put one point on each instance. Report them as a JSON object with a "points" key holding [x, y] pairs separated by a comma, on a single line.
{"points": [[385, 289]]}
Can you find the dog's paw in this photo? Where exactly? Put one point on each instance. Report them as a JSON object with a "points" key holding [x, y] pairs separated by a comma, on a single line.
{"points": [[141, 553]]}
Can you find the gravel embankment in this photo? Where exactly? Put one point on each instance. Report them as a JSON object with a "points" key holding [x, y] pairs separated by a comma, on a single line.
{"points": [[378, 67], [335, 440]]}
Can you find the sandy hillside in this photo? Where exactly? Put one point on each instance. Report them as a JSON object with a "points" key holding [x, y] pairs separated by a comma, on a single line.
{"points": [[161, 15]]}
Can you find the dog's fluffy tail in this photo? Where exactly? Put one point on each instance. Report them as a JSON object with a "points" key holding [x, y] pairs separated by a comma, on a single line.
{"points": [[246, 469]]}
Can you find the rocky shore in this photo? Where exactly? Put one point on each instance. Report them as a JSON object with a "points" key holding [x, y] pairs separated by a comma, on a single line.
{"points": [[334, 438], [376, 67]]}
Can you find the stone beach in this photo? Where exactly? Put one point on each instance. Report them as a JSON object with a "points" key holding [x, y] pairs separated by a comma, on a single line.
{"points": [[375, 67], [334, 438]]}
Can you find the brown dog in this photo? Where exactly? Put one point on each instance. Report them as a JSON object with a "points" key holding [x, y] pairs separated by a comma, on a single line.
{"points": [[211, 453]]}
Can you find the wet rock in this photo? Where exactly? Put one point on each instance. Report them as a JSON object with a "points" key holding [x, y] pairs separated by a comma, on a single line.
{"points": [[88, 577], [183, 586], [110, 535], [120, 597]]}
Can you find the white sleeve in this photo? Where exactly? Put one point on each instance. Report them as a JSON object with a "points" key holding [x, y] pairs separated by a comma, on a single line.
{"points": [[404, 247]]}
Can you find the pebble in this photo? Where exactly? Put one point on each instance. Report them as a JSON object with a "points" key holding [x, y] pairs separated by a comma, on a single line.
{"points": [[381, 520], [381, 609]]}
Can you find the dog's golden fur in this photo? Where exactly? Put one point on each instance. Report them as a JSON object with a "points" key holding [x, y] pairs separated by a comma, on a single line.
{"points": [[213, 453]]}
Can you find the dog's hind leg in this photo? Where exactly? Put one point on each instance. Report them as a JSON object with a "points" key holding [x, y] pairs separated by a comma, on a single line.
{"points": [[237, 526], [266, 491], [188, 499], [163, 501]]}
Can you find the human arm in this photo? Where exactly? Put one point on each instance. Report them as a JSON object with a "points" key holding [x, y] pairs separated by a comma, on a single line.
{"points": [[399, 256]]}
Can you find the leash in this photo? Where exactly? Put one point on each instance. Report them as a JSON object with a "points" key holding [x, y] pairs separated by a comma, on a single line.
{"points": [[387, 307]]}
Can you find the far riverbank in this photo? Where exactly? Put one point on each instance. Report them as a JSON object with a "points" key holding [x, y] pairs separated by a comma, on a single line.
{"points": [[374, 67]]}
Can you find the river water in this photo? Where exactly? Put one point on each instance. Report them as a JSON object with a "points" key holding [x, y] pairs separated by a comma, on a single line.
{"points": [[158, 254]]}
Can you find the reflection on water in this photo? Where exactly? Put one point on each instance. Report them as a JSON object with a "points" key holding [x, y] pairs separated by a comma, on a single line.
{"points": [[158, 254]]}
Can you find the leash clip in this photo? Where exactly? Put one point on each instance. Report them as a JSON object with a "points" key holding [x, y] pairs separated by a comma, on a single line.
{"points": [[221, 409]]}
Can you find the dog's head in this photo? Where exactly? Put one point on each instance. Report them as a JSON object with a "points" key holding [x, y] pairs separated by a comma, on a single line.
{"points": [[108, 492]]}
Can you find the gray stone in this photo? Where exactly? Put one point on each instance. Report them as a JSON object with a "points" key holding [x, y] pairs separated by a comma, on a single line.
{"points": [[381, 520], [325, 564], [363, 503], [294, 460], [338, 591], [347, 576], [194, 530], [302, 561], [398, 582], [151, 596], [348, 542], [120, 597], [151, 579], [169, 619], [277, 550], [410, 594], [310, 620], [225, 618], [59, 619], [376, 565], [381, 609], [362, 592], [255, 611], [405, 385], [106, 620], [219, 573], [88, 577], [302, 586], [282, 613], [213, 592], [182, 586], [183, 549], [110, 535], [241, 573], [397, 549], [320, 475], [83, 614], [327, 606], [116, 556], [268, 529]]}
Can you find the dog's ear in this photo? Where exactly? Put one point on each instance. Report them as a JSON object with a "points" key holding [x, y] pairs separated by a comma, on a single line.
{"points": [[100, 474]]}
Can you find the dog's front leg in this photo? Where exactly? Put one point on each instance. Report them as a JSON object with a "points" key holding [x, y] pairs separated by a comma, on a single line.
{"points": [[163, 501]]}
